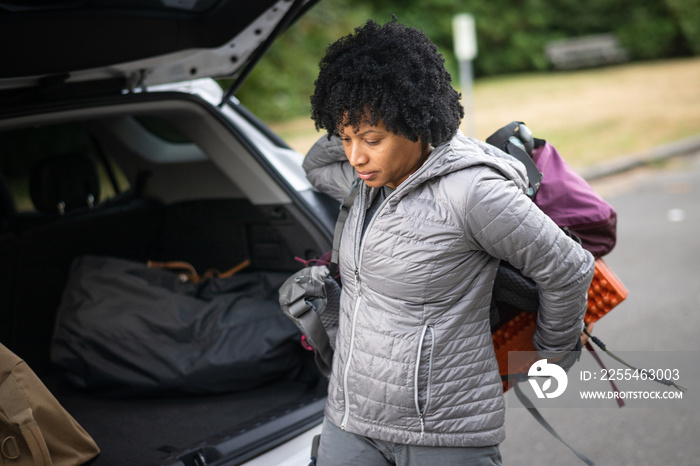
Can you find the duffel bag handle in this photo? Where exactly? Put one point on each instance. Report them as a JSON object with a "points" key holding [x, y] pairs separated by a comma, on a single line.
{"points": [[17, 409], [187, 272]]}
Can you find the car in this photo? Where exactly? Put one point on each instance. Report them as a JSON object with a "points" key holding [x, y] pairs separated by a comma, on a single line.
{"points": [[149, 158]]}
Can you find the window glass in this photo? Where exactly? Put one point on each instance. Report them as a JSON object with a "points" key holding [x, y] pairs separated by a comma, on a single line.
{"points": [[21, 150], [162, 129]]}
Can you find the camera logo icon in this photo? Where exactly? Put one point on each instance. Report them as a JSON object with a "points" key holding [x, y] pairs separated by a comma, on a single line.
{"points": [[542, 368]]}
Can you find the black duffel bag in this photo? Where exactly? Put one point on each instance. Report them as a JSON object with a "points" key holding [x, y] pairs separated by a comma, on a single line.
{"points": [[124, 328]]}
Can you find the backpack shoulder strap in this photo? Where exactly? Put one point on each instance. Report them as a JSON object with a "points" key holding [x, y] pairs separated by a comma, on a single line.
{"points": [[340, 223]]}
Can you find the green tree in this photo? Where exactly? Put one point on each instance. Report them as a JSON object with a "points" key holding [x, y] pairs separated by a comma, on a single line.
{"points": [[511, 36], [687, 14], [280, 85]]}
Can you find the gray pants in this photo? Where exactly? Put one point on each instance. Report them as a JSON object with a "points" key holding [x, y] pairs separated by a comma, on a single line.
{"points": [[341, 448]]}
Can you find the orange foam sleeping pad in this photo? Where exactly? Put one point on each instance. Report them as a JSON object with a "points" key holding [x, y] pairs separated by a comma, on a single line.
{"points": [[606, 292]]}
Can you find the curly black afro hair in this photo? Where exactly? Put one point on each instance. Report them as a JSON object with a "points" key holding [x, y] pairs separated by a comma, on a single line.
{"points": [[391, 73]]}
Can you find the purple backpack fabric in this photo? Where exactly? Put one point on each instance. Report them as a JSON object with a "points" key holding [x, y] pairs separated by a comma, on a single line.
{"points": [[571, 202]]}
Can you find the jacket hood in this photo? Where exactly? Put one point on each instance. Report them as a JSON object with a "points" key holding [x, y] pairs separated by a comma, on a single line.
{"points": [[461, 153]]}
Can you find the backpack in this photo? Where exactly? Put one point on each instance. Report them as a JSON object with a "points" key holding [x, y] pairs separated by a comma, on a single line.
{"points": [[582, 214], [559, 191], [34, 427]]}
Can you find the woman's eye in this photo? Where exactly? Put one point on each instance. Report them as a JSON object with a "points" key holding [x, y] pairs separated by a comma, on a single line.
{"points": [[372, 143]]}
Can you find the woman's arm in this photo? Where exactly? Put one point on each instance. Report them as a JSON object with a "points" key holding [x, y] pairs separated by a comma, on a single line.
{"points": [[327, 168], [509, 226]]}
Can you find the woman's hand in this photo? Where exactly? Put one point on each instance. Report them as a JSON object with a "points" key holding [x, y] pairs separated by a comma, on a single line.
{"points": [[584, 340], [584, 337]]}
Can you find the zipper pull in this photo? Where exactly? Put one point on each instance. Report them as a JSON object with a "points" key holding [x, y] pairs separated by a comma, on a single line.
{"points": [[357, 282]]}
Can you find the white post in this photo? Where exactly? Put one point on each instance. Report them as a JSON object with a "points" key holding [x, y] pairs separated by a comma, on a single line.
{"points": [[464, 33]]}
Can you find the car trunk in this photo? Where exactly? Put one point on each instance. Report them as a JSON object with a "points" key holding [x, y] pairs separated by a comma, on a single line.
{"points": [[182, 187]]}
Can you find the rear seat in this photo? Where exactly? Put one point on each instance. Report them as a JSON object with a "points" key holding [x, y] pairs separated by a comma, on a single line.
{"points": [[40, 248], [61, 186]]}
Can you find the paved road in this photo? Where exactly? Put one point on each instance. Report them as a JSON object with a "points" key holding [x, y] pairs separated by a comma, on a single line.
{"points": [[658, 259]]}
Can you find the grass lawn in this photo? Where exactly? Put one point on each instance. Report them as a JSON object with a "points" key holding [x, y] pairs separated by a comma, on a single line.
{"points": [[590, 115]]}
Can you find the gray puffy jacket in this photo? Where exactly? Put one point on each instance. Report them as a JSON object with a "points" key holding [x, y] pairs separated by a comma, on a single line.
{"points": [[414, 360]]}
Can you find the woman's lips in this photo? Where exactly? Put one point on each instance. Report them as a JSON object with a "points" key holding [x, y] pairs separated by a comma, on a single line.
{"points": [[366, 175]]}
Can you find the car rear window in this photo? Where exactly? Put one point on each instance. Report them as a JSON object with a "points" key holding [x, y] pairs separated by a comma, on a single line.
{"points": [[162, 129]]}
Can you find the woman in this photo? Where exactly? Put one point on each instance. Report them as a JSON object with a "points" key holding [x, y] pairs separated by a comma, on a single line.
{"points": [[415, 379]]}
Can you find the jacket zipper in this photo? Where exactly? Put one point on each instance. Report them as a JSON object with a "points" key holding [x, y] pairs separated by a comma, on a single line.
{"points": [[346, 396], [358, 260], [422, 412], [358, 257]]}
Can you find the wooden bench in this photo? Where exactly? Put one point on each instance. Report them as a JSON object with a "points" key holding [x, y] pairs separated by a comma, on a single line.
{"points": [[585, 52]]}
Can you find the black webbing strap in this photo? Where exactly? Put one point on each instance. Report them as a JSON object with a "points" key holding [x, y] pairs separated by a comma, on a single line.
{"points": [[536, 414], [589, 347], [602, 346], [501, 139], [310, 324], [308, 282], [340, 223]]}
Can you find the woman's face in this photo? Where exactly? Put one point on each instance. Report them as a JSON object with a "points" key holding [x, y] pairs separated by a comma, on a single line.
{"points": [[381, 157]]}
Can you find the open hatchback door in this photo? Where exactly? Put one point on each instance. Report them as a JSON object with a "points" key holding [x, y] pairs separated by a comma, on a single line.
{"points": [[137, 43]]}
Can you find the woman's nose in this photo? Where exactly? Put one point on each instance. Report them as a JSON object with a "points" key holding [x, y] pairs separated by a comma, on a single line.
{"points": [[356, 155]]}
